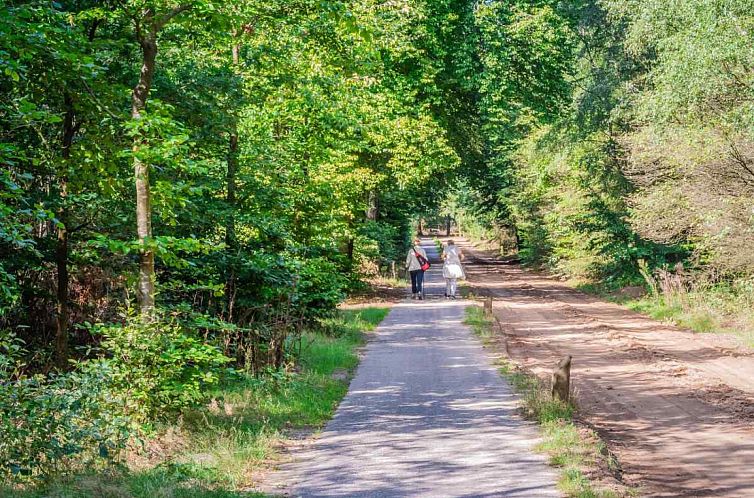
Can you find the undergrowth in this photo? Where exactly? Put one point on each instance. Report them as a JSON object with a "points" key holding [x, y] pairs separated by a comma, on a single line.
{"points": [[219, 450], [721, 308], [570, 448]]}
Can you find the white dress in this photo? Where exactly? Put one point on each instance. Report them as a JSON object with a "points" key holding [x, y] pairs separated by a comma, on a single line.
{"points": [[452, 267]]}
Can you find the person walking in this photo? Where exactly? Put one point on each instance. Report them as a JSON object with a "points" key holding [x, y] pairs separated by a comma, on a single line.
{"points": [[414, 267], [451, 268]]}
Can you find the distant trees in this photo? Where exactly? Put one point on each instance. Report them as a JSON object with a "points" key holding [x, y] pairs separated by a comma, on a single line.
{"points": [[617, 132]]}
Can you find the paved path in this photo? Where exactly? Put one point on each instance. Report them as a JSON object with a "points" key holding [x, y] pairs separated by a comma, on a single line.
{"points": [[426, 415]]}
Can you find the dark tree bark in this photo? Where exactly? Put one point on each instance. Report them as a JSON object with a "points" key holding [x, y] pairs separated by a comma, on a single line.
{"points": [[230, 227], [70, 127]]}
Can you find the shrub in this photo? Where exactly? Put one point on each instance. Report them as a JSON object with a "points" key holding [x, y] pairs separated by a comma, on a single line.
{"points": [[50, 423], [376, 245], [158, 366], [320, 286]]}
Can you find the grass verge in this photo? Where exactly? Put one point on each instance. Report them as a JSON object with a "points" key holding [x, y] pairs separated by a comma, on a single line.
{"points": [[716, 309], [578, 452], [378, 288], [219, 450]]}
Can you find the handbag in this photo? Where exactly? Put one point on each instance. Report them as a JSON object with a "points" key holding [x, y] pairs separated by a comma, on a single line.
{"points": [[423, 262]]}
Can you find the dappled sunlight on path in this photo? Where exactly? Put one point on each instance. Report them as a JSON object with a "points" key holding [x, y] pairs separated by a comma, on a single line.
{"points": [[426, 415]]}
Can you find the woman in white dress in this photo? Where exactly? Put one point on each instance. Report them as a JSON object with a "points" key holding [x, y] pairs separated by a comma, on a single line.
{"points": [[452, 269]]}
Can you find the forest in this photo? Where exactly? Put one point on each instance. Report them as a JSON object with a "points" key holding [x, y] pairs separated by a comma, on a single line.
{"points": [[188, 188]]}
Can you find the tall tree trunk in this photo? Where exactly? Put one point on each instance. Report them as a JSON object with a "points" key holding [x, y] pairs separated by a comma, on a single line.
{"points": [[61, 251], [448, 222], [146, 283], [230, 227]]}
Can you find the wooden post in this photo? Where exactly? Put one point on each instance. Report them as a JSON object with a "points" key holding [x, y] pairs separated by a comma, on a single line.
{"points": [[488, 306], [561, 380]]}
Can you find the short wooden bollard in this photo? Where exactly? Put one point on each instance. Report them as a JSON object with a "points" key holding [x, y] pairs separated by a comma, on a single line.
{"points": [[488, 306], [561, 380]]}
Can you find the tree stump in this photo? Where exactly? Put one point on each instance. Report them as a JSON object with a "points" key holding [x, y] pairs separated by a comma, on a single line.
{"points": [[488, 306]]}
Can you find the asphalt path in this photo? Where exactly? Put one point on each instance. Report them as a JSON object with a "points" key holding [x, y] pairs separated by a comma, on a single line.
{"points": [[426, 415]]}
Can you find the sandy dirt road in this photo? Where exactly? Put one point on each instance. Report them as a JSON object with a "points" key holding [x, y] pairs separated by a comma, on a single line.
{"points": [[676, 408]]}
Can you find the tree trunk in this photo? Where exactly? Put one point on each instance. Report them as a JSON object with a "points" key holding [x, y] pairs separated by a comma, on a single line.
{"points": [[448, 220], [146, 284], [230, 226], [373, 206], [61, 251], [61, 261]]}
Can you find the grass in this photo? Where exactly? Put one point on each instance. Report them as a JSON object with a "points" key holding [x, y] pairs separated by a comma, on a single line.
{"points": [[386, 281], [570, 448], [218, 451], [722, 308]]}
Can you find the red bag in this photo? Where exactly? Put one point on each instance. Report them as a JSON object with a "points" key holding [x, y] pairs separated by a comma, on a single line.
{"points": [[422, 261]]}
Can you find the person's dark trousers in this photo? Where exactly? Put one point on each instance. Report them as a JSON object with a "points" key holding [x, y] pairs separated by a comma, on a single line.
{"points": [[417, 281]]}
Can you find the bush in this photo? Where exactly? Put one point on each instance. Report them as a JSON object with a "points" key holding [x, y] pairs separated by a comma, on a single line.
{"points": [[320, 286], [55, 423], [376, 245], [49, 423], [157, 366]]}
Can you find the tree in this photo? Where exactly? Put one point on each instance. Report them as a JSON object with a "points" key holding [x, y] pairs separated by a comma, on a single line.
{"points": [[149, 20]]}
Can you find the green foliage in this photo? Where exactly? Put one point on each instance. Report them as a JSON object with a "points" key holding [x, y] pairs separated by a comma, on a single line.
{"points": [[320, 286], [157, 366], [49, 425], [260, 163], [377, 244], [224, 444], [630, 141]]}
